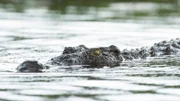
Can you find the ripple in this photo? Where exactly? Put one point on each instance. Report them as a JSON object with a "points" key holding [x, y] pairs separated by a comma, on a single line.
{"points": [[15, 97], [154, 81], [111, 85], [141, 97], [41, 92], [170, 91], [72, 98]]}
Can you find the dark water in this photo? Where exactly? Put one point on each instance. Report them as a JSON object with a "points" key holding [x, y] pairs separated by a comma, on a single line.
{"points": [[40, 29]]}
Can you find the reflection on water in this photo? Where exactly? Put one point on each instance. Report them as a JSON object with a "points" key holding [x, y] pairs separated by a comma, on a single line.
{"points": [[98, 10], [40, 29]]}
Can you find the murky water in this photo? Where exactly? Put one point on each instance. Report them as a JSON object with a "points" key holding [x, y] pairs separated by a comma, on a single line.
{"points": [[42, 33]]}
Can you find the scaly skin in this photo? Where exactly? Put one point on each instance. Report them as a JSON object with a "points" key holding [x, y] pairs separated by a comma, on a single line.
{"points": [[162, 48], [103, 56], [80, 55]]}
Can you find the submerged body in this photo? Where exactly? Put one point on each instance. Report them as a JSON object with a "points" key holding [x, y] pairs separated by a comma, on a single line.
{"points": [[162, 48], [103, 56]]}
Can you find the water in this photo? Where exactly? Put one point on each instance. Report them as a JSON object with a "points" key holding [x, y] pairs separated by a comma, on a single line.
{"points": [[28, 33]]}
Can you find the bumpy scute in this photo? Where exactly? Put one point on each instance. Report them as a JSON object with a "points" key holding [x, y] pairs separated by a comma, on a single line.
{"points": [[103, 56]]}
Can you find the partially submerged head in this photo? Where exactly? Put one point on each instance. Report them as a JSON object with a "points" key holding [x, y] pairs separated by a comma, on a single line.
{"points": [[94, 57], [80, 55]]}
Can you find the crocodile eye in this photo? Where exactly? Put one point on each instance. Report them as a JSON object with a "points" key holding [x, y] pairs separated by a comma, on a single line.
{"points": [[96, 52]]}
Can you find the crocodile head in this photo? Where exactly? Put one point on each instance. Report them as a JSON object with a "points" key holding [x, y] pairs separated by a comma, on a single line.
{"points": [[91, 57], [80, 55]]}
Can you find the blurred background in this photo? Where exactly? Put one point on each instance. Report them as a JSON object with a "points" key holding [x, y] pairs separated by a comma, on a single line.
{"points": [[96, 10]]}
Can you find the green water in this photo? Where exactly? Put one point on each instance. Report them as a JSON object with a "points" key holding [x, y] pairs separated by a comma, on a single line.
{"points": [[112, 9]]}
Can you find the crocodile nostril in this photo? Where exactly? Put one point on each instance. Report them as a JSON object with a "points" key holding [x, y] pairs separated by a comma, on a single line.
{"points": [[105, 53]]}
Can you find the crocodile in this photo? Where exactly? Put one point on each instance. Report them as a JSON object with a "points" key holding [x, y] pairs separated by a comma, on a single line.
{"points": [[102, 56]]}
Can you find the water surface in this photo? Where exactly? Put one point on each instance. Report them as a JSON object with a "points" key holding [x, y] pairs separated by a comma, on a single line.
{"points": [[39, 30]]}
